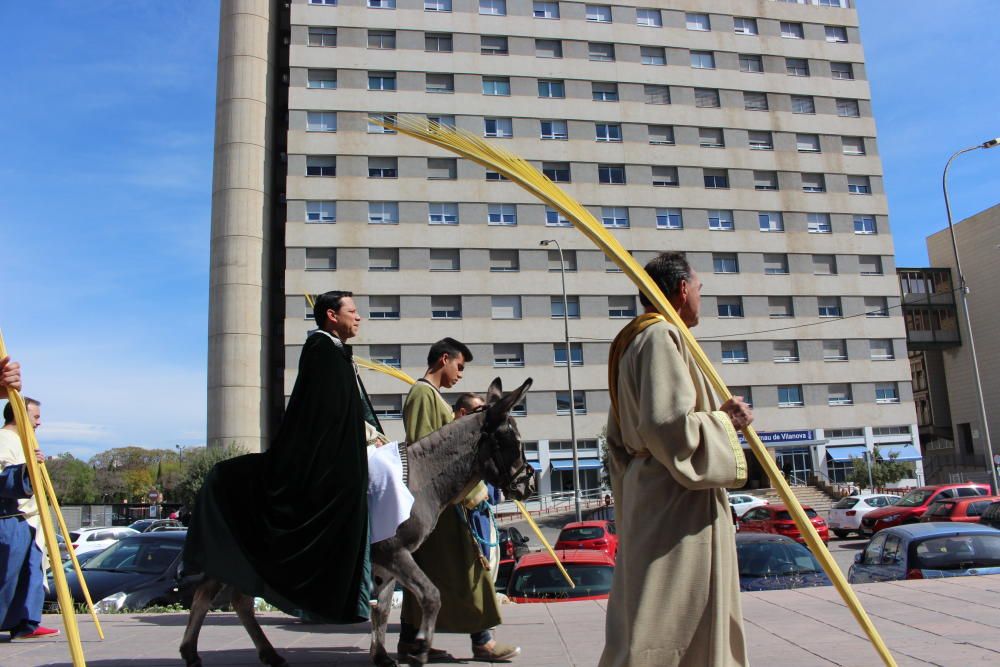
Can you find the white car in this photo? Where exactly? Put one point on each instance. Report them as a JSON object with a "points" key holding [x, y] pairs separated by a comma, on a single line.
{"points": [[743, 502], [845, 517], [87, 540]]}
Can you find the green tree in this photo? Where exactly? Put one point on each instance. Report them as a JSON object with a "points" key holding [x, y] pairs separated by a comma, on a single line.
{"points": [[72, 479], [197, 462], [884, 471], [602, 442]]}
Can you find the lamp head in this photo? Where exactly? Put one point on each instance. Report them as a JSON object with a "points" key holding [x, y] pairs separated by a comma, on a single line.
{"points": [[545, 242], [991, 143]]}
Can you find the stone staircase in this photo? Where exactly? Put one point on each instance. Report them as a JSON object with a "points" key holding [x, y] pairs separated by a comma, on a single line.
{"points": [[810, 496]]}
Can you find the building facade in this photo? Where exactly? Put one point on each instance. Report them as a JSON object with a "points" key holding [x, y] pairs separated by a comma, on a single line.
{"points": [[738, 132]]}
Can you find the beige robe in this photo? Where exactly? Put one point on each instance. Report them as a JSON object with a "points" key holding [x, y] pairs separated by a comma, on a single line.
{"points": [[675, 600]]}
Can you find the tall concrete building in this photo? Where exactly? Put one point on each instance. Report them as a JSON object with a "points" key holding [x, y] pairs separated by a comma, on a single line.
{"points": [[738, 132]]}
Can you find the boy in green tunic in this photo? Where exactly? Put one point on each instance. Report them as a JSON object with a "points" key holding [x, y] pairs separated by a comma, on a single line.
{"points": [[449, 556]]}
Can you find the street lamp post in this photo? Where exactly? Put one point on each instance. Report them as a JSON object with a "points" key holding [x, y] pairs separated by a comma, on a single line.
{"points": [[964, 290], [569, 379]]}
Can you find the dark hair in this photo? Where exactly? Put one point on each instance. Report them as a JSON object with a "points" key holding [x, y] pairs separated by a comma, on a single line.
{"points": [[667, 270], [328, 301], [448, 346], [465, 401], [8, 410]]}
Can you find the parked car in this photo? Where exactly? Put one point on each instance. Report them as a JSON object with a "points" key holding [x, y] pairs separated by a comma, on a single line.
{"points": [[506, 567], [958, 510], [513, 544], [598, 535], [136, 572], [536, 578], [86, 540], [742, 502], [991, 516], [775, 562], [928, 551], [845, 517], [149, 525], [777, 519], [913, 504]]}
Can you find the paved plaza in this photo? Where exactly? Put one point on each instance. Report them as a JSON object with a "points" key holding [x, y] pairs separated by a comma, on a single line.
{"points": [[953, 622]]}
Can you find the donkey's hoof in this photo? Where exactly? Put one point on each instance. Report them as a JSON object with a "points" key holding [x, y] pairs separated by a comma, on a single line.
{"points": [[273, 659], [385, 661], [190, 659]]}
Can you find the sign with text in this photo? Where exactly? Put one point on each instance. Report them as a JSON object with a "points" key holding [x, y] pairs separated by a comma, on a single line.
{"points": [[783, 437]]}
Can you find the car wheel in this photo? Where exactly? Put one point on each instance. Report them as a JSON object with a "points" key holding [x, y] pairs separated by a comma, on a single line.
{"points": [[842, 534]]}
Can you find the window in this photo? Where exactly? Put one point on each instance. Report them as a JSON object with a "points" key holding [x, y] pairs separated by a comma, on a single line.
{"points": [[725, 262], [744, 26], [322, 37], [848, 108], [382, 4], [609, 267], [697, 21], [818, 223], [553, 129], [881, 350], [496, 85], [443, 121], [829, 306], [807, 143], [780, 307], [322, 78], [568, 260], [548, 48], [446, 307], [876, 306], [813, 183], [545, 10], [383, 307], [852, 145], [754, 101], [501, 214], [382, 167], [621, 306], [870, 265], [383, 259], [611, 174], [381, 81], [437, 5], [321, 211], [702, 60], [859, 185], [551, 88], [439, 83], [743, 392], [557, 172], [706, 98], [796, 67], [651, 18], [321, 165], [653, 55], [824, 265], [493, 45], [665, 177], [669, 218], [438, 42], [803, 104], [493, 7], [381, 39], [775, 264], [790, 396], [495, 176], [660, 134], [751, 63], [376, 128], [498, 127], [734, 352], [321, 121], [839, 394], [770, 221], [321, 259], [607, 132], [383, 213], [445, 259], [842, 71], [572, 303], [599, 13], [505, 307], [559, 354], [785, 351], [835, 350], [554, 218], [604, 92], [655, 94], [791, 30], [442, 213], [508, 355], [614, 216], [442, 168], [720, 221], [386, 354], [716, 178], [729, 306], [760, 140], [385, 406], [601, 51], [864, 224], [765, 180], [886, 392], [711, 137], [323, 2], [836, 34], [579, 403]]}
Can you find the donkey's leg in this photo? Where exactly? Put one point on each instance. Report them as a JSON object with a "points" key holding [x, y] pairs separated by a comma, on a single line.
{"points": [[243, 604], [202, 602], [414, 580], [380, 619]]}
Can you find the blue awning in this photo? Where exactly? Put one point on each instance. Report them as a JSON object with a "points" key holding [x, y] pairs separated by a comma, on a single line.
{"points": [[906, 452], [567, 464], [846, 452]]}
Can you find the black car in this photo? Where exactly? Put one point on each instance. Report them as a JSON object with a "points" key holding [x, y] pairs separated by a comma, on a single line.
{"points": [[150, 525], [991, 515], [512, 543], [134, 573], [774, 562]]}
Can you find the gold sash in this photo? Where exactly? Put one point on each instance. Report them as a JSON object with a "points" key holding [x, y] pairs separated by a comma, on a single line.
{"points": [[618, 347]]}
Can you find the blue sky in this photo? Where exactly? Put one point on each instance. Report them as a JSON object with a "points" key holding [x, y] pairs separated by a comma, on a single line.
{"points": [[106, 130]]}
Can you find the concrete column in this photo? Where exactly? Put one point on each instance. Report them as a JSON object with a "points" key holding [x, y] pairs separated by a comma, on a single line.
{"points": [[241, 209]]}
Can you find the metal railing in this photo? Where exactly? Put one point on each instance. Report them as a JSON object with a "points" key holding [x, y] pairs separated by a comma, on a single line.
{"points": [[553, 503]]}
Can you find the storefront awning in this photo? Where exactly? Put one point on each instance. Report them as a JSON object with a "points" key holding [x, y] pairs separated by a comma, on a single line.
{"points": [[906, 452], [846, 452], [567, 464]]}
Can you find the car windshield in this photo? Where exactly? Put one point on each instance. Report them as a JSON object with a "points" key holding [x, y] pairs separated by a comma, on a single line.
{"points": [[846, 503], [545, 582], [582, 533], [786, 516], [146, 556], [774, 559], [958, 552], [915, 498]]}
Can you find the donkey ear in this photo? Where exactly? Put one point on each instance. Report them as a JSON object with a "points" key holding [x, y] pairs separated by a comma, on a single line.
{"points": [[499, 410], [495, 392]]}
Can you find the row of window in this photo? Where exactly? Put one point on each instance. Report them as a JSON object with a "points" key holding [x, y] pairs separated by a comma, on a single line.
{"points": [[787, 351]]}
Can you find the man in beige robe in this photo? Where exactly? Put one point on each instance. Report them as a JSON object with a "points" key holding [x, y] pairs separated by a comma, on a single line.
{"points": [[673, 450]]}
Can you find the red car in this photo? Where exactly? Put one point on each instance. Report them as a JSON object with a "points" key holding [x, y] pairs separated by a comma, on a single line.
{"points": [[963, 510], [597, 535], [778, 520], [915, 503], [537, 579]]}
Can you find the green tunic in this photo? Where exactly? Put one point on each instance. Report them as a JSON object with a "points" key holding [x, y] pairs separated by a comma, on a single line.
{"points": [[449, 556]]}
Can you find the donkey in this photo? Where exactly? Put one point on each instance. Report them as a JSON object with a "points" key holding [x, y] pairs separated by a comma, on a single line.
{"points": [[443, 468]]}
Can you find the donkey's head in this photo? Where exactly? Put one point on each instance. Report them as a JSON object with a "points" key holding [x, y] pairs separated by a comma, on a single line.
{"points": [[501, 454]]}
